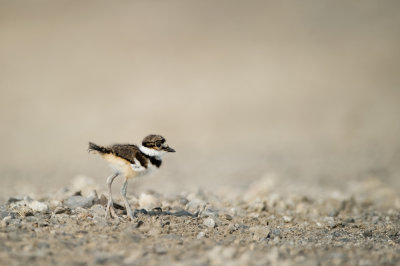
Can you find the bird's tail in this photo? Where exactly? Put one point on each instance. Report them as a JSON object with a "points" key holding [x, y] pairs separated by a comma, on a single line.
{"points": [[100, 149]]}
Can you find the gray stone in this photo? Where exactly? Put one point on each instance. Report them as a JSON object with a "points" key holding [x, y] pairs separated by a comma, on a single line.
{"points": [[209, 212], [228, 217], [19, 198], [276, 232], [74, 202], [160, 249], [4, 214], [60, 210]]}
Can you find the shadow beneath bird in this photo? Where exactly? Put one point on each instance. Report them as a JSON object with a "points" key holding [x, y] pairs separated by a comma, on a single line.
{"points": [[155, 212], [159, 212]]}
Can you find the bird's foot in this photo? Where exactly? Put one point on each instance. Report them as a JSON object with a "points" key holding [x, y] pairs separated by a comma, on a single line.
{"points": [[110, 211]]}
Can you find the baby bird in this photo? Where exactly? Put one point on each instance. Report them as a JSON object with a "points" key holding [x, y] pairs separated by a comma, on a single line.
{"points": [[131, 161]]}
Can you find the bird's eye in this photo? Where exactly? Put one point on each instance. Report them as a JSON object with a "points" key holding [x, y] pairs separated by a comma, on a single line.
{"points": [[158, 145]]}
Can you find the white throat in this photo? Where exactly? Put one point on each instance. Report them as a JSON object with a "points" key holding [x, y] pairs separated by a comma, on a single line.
{"points": [[152, 152]]}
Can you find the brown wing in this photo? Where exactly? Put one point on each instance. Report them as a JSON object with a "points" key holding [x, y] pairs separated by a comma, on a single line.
{"points": [[128, 152]]}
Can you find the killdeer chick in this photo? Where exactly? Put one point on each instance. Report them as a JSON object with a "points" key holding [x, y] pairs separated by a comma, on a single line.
{"points": [[131, 161]]}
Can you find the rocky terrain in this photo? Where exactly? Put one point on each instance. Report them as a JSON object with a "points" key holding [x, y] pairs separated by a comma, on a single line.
{"points": [[257, 227], [284, 116]]}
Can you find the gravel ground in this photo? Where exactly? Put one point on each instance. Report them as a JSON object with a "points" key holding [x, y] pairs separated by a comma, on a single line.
{"points": [[285, 118], [264, 225]]}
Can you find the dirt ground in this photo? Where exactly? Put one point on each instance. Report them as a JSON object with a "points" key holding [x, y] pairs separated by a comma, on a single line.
{"points": [[285, 118], [259, 227]]}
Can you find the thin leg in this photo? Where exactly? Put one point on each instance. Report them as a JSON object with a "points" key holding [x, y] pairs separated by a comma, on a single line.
{"points": [[123, 193], [110, 208]]}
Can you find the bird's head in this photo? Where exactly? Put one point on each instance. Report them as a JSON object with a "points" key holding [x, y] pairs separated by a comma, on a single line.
{"points": [[157, 143]]}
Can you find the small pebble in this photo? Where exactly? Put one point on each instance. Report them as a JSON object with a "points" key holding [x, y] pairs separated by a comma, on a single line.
{"points": [[38, 206], [259, 232], [209, 222], [74, 202], [60, 210], [287, 219], [159, 249], [200, 235], [228, 217], [276, 232]]}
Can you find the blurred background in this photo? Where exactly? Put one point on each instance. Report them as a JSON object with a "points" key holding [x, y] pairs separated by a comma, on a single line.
{"points": [[306, 90]]}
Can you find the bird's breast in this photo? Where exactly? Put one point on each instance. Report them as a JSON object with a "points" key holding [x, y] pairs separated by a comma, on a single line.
{"points": [[128, 169]]}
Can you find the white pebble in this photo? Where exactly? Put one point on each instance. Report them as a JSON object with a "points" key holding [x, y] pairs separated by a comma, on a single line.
{"points": [[287, 219], [200, 235], [38, 206], [209, 222]]}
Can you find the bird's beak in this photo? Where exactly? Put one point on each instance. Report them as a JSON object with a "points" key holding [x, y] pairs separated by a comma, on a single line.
{"points": [[169, 149]]}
